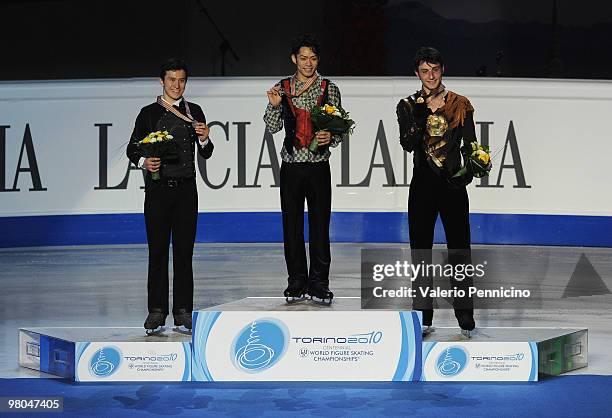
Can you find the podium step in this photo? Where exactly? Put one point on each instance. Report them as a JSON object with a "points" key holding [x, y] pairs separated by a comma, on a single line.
{"points": [[503, 353], [106, 354], [266, 339]]}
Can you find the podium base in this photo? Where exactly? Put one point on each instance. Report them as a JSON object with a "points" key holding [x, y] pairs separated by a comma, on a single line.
{"points": [[267, 339]]}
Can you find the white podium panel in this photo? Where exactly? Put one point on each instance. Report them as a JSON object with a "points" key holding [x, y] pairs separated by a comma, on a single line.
{"points": [[130, 361], [306, 345], [508, 361]]}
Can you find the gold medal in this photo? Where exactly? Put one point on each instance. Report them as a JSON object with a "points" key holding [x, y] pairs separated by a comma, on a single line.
{"points": [[436, 125]]}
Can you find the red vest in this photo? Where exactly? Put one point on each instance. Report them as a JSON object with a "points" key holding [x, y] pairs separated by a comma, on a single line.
{"points": [[303, 125]]}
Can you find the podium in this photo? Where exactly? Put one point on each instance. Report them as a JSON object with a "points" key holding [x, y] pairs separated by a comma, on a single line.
{"points": [[265, 339]]}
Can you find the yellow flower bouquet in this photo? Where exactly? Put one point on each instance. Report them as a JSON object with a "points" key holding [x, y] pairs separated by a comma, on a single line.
{"points": [[330, 118], [477, 161], [159, 144]]}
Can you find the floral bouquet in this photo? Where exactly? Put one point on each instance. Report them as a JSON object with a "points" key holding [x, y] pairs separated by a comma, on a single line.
{"points": [[330, 118], [477, 161], [159, 144]]}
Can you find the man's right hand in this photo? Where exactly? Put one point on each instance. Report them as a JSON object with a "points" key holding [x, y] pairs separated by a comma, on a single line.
{"points": [[152, 164], [274, 96], [419, 111]]}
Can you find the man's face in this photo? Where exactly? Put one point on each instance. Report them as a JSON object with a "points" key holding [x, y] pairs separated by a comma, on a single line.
{"points": [[430, 75], [306, 62], [174, 83]]}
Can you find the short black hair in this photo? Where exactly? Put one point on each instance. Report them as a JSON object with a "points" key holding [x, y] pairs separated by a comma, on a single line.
{"points": [[427, 54], [172, 64], [306, 40]]}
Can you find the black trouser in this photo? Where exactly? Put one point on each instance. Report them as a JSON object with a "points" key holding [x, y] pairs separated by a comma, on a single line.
{"points": [[171, 212], [312, 182], [429, 197]]}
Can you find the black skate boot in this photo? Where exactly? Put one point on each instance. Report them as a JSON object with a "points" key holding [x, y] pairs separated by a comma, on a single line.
{"points": [[427, 320], [155, 322], [296, 291], [320, 293], [182, 321], [465, 318], [427, 329]]}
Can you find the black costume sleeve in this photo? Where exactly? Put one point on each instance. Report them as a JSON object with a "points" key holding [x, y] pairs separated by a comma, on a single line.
{"points": [[206, 150], [468, 135], [410, 127], [469, 130], [141, 130]]}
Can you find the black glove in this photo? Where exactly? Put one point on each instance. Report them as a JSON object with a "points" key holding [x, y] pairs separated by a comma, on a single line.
{"points": [[411, 117], [410, 130], [419, 110]]}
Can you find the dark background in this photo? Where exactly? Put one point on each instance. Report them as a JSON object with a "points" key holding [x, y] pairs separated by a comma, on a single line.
{"points": [[53, 39]]}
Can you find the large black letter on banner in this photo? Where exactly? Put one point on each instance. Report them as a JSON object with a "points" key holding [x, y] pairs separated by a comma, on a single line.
{"points": [[381, 139], [516, 160], [28, 145]]}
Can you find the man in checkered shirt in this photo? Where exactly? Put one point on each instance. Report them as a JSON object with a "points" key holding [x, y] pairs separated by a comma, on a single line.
{"points": [[305, 174]]}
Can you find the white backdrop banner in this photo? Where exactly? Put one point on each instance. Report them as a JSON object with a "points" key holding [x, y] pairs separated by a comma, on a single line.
{"points": [[62, 146]]}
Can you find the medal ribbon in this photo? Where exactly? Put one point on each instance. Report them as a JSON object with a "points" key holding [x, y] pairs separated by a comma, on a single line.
{"points": [[176, 112]]}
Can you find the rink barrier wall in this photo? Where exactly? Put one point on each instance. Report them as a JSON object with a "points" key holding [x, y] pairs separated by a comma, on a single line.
{"points": [[266, 227]]}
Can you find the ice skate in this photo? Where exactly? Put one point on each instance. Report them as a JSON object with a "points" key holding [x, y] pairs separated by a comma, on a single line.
{"points": [[296, 291], [155, 323], [465, 318], [467, 333], [320, 293], [427, 329], [182, 321]]}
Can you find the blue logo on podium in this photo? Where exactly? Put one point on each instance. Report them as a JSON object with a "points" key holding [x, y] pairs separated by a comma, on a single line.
{"points": [[260, 345], [105, 361], [451, 361]]}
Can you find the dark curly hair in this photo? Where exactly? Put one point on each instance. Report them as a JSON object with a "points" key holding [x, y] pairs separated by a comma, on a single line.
{"points": [[306, 40], [172, 64], [427, 54]]}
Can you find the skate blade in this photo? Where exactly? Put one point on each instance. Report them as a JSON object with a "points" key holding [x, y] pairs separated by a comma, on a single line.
{"points": [[157, 331], [295, 299], [319, 301], [182, 330], [467, 333]]}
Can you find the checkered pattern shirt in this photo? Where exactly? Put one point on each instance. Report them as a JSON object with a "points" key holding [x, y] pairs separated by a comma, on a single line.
{"points": [[307, 100]]}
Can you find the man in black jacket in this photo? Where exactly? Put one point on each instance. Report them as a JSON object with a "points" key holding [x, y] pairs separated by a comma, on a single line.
{"points": [[433, 123], [171, 203]]}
